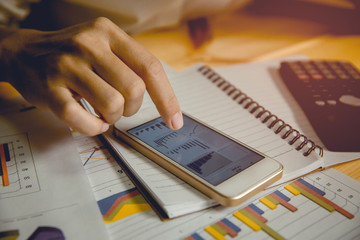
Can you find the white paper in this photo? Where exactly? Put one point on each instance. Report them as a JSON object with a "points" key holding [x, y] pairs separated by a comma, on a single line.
{"points": [[47, 184]]}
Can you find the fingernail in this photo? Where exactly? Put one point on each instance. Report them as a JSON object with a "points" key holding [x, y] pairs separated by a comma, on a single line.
{"points": [[177, 121], [105, 127]]}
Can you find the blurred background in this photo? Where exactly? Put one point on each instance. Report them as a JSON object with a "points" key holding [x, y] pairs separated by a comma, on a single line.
{"points": [[182, 33]]}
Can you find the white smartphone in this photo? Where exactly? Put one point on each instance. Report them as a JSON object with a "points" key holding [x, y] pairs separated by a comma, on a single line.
{"points": [[221, 167]]}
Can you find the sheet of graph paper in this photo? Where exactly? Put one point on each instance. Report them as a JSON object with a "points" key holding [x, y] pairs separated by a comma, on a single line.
{"points": [[43, 188]]}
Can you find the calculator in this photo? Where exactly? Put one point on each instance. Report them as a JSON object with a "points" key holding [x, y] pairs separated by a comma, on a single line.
{"points": [[329, 94]]}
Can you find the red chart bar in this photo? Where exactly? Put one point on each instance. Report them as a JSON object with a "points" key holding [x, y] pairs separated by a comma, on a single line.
{"points": [[5, 176]]}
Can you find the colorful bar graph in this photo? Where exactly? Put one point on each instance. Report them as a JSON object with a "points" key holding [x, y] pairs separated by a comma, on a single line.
{"points": [[323, 199], [4, 157], [251, 215]]}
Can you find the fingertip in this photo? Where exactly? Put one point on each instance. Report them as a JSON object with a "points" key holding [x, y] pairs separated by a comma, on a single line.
{"points": [[176, 122]]}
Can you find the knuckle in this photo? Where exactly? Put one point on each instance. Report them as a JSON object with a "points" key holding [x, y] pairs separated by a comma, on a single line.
{"points": [[65, 60], [113, 107], [153, 68], [91, 36], [135, 91], [68, 113], [102, 22], [171, 102]]}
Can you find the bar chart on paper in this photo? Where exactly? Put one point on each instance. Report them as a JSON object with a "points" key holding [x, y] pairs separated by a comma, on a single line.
{"points": [[315, 207], [17, 169]]}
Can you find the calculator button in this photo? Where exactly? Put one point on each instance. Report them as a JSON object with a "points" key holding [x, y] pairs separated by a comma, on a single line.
{"points": [[317, 76], [330, 76], [331, 102], [303, 77], [320, 103], [350, 100]]}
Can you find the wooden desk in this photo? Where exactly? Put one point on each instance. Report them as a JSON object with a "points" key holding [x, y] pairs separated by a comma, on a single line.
{"points": [[247, 35]]}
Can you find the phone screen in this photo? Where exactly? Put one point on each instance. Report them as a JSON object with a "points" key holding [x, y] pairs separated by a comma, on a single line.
{"points": [[205, 152]]}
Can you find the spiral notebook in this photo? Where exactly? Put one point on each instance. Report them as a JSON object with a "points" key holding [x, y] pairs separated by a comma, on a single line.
{"points": [[206, 95]]}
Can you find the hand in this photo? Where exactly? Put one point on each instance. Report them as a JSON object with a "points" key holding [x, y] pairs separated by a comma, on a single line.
{"points": [[94, 60]]}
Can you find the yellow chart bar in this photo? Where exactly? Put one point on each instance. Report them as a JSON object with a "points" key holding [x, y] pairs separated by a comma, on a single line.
{"points": [[214, 233], [268, 203], [313, 198], [247, 221], [263, 226], [292, 190]]}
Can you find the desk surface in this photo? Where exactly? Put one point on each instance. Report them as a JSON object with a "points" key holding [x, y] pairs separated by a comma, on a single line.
{"points": [[253, 34]]}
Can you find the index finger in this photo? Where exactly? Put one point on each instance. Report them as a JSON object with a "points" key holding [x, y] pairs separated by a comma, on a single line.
{"points": [[149, 68]]}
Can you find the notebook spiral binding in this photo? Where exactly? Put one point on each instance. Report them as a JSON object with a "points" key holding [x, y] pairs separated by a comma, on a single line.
{"points": [[260, 112]]}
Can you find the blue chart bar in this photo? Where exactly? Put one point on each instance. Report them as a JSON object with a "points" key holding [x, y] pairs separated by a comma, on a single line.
{"points": [[256, 209], [312, 187], [231, 225], [283, 196]]}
